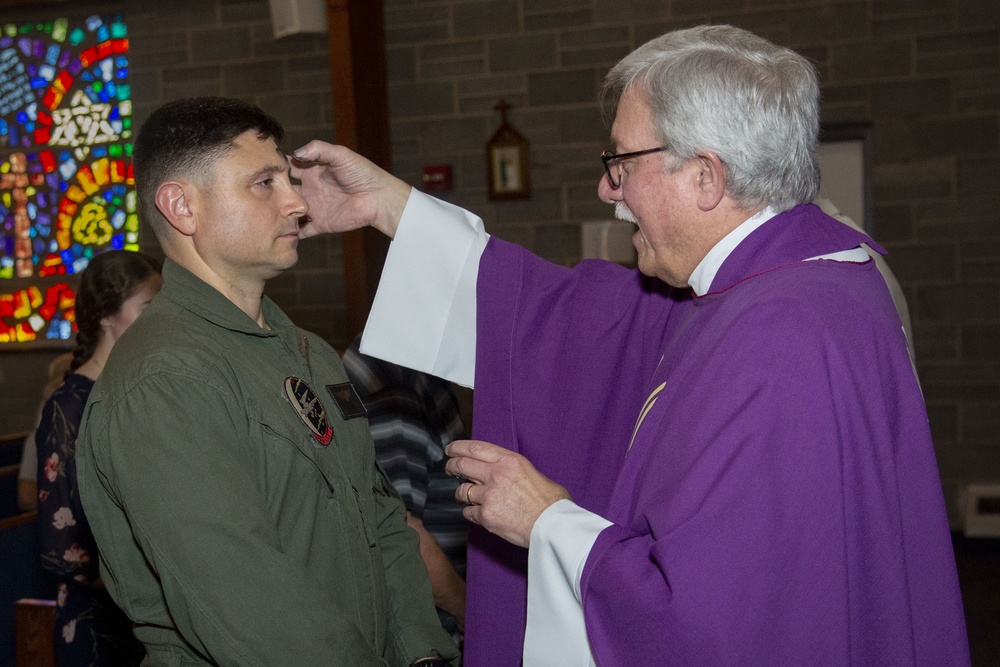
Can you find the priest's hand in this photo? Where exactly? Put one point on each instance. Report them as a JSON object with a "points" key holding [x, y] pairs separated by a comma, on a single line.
{"points": [[505, 494], [346, 191]]}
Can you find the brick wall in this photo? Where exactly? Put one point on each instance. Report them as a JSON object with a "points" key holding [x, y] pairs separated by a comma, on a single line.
{"points": [[182, 48], [226, 47], [924, 74]]}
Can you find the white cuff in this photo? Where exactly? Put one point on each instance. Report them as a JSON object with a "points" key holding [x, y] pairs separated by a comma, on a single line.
{"points": [[424, 313], [561, 540]]}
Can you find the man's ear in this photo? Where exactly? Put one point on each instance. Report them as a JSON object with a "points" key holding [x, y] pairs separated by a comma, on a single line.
{"points": [[711, 185], [173, 199]]}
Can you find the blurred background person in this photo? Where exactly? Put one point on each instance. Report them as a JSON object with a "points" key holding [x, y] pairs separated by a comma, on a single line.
{"points": [[27, 479], [90, 629], [413, 416]]}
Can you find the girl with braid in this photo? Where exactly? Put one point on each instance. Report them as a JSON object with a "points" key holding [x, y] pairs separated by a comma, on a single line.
{"points": [[90, 630]]}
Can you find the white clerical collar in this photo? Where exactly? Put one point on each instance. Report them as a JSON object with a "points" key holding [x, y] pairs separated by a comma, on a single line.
{"points": [[703, 274]]}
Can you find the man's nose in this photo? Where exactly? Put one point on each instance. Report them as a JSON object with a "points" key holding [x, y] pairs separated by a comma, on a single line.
{"points": [[608, 194], [296, 204]]}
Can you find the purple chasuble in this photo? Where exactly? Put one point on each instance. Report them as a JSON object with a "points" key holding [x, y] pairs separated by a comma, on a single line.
{"points": [[780, 501]]}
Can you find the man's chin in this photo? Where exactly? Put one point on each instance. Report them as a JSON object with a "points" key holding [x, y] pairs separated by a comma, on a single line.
{"points": [[287, 261], [643, 261]]}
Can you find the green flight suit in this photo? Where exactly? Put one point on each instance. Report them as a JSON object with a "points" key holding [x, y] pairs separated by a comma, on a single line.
{"points": [[227, 531]]}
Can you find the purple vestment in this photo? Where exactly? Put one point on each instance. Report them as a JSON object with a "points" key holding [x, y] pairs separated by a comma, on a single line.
{"points": [[780, 501]]}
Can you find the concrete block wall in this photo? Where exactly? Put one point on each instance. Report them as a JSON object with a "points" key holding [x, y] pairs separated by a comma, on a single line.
{"points": [[924, 74], [183, 48], [227, 47]]}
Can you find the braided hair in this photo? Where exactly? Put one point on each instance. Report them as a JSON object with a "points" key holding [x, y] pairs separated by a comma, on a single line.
{"points": [[109, 279]]}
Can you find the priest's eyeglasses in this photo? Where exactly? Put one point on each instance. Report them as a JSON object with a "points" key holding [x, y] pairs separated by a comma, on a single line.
{"points": [[613, 163]]}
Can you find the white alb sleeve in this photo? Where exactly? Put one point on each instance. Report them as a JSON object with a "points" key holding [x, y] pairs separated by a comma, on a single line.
{"points": [[561, 540], [424, 313]]}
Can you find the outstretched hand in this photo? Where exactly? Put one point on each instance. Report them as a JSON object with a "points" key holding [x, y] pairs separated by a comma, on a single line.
{"points": [[346, 191], [505, 493]]}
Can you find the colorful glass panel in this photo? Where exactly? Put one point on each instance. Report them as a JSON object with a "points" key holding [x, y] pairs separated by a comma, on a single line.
{"points": [[66, 185]]}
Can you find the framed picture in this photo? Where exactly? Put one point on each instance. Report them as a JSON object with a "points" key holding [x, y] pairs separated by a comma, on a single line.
{"points": [[507, 165]]}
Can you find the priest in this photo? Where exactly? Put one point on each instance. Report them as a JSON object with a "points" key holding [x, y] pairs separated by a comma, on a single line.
{"points": [[720, 458]]}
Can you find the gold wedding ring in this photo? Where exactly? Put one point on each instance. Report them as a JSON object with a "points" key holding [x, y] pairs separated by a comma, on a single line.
{"points": [[468, 494]]}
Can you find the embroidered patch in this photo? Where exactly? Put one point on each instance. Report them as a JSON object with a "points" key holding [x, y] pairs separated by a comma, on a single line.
{"points": [[347, 400], [307, 406]]}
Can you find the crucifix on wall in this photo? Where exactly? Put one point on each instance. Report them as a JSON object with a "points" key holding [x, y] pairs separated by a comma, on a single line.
{"points": [[508, 168]]}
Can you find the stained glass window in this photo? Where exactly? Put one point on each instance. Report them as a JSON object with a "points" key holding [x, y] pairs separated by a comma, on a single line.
{"points": [[66, 186]]}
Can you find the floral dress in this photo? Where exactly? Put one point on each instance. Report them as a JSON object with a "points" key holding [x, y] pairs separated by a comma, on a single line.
{"points": [[90, 629]]}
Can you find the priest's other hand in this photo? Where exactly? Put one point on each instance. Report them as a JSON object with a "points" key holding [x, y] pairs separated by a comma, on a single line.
{"points": [[505, 494], [346, 191]]}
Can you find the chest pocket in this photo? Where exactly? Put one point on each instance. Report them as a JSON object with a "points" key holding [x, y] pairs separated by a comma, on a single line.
{"points": [[284, 452]]}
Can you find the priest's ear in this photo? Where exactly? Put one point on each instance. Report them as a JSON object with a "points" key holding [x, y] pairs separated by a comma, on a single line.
{"points": [[711, 186], [174, 201]]}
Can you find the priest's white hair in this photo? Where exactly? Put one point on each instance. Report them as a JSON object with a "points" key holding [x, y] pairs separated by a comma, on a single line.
{"points": [[722, 89]]}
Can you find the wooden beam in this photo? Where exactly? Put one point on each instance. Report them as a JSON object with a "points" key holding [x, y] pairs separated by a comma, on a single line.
{"points": [[361, 122]]}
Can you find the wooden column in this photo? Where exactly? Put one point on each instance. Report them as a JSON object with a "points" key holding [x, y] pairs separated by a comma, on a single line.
{"points": [[361, 120]]}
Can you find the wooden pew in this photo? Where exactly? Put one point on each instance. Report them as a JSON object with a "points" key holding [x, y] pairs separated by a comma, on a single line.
{"points": [[23, 577], [34, 642], [10, 448], [27, 622], [8, 490], [10, 464]]}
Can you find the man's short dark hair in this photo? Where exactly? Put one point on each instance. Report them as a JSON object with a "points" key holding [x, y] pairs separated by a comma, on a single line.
{"points": [[184, 137]]}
